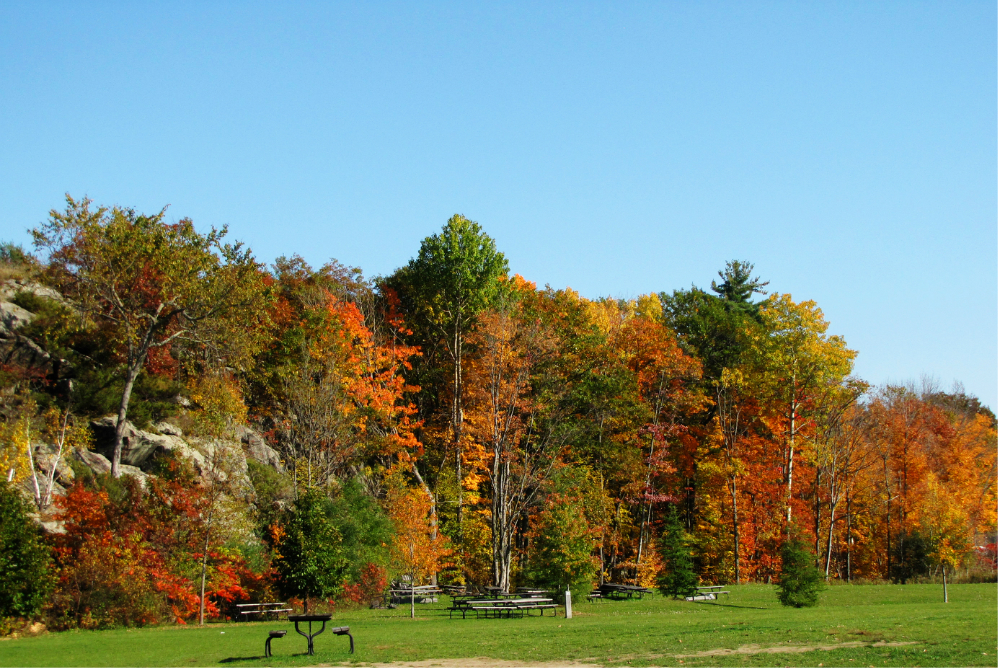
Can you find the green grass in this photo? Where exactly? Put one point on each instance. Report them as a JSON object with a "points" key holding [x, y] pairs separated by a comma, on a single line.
{"points": [[857, 620]]}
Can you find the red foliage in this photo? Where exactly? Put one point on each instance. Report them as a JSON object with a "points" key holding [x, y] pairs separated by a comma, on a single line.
{"points": [[134, 558]]}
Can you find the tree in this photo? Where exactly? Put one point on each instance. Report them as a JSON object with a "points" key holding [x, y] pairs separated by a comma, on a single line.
{"points": [[416, 550], [455, 277], [678, 578], [800, 581], [307, 551], [796, 359], [738, 287], [24, 558], [947, 528], [561, 550], [152, 285], [505, 415]]}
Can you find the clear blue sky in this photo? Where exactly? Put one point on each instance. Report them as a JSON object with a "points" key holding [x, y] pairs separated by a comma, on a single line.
{"points": [[848, 149]]}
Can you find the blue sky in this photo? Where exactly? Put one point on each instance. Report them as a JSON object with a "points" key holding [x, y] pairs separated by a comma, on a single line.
{"points": [[847, 149]]}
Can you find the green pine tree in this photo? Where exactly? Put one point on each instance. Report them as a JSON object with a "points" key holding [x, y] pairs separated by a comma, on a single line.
{"points": [[678, 578], [800, 580]]}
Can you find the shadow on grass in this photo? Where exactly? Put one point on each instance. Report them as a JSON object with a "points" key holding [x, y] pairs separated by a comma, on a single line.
{"points": [[731, 605], [236, 659], [233, 659]]}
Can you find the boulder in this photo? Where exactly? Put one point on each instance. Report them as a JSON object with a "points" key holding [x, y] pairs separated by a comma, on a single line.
{"points": [[139, 448], [94, 461], [45, 458], [20, 351], [99, 464], [10, 288], [257, 449], [12, 317]]}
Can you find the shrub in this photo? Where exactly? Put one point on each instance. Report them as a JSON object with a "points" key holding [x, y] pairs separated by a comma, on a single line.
{"points": [[24, 559], [678, 578], [800, 580], [909, 557]]}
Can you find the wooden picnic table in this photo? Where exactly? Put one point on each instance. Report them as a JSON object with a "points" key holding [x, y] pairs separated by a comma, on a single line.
{"points": [[621, 590], [262, 609], [499, 607]]}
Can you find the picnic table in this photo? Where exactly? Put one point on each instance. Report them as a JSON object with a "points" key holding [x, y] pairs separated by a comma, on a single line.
{"points": [[507, 606], [310, 636], [609, 589], [262, 609], [404, 593]]}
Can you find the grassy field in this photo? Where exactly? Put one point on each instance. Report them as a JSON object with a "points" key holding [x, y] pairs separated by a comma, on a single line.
{"points": [[869, 625]]}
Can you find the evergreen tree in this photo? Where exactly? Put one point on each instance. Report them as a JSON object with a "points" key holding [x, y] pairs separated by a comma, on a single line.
{"points": [[800, 580], [24, 559], [308, 551], [678, 578]]}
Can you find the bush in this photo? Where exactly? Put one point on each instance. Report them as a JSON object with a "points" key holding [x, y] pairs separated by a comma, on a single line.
{"points": [[909, 557], [800, 580], [24, 559], [678, 578]]}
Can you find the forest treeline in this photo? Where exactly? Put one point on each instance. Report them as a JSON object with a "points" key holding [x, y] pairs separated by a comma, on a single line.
{"points": [[449, 422]]}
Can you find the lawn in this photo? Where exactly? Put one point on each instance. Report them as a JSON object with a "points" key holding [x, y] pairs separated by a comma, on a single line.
{"points": [[861, 625]]}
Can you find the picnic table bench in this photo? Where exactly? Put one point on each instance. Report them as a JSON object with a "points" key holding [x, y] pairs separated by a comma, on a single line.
{"points": [[262, 609]]}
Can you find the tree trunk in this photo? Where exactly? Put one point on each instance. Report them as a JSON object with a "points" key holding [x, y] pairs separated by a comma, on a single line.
{"points": [[733, 487], [790, 459], [831, 532], [848, 538], [945, 590], [126, 395], [412, 582], [433, 513], [457, 422]]}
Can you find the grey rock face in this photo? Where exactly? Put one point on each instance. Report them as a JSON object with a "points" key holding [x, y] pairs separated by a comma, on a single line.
{"points": [[257, 449], [95, 461], [140, 447], [12, 317], [45, 457], [10, 288]]}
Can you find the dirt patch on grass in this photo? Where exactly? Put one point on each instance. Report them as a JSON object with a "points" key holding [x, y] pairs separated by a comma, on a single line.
{"points": [[791, 649]]}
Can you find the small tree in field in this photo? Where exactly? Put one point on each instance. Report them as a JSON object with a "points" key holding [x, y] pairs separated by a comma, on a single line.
{"points": [[307, 551], [800, 580], [415, 550], [678, 578], [561, 554]]}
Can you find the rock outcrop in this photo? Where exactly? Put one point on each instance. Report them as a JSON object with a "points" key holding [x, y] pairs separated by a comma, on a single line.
{"points": [[257, 449]]}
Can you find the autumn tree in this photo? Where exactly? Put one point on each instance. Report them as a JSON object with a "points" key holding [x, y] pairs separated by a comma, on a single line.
{"points": [[507, 415], [795, 358], [416, 550], [150, 283]]}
